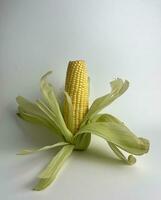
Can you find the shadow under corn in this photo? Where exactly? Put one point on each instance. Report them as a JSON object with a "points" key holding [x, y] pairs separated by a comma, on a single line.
{"points": [[99, 156]]}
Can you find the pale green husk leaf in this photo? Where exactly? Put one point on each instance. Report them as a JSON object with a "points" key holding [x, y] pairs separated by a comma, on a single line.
{"points": [[118, 87], [119, 135], [130, 160], [29, 107], [69, 122], [106, 118], [51, 116], [50, 98], [110, 118], [30, 151], [57, 162], [50, 173], [31, 112], [33, 119]]}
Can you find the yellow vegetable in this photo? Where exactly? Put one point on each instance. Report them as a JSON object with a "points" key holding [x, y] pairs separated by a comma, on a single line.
{"points": [[77, 88]]}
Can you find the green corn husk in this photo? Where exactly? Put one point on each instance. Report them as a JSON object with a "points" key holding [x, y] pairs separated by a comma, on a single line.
{"points": [[47, 112]]}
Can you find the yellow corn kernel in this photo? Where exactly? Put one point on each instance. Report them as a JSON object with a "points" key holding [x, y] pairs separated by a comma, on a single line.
{"points": [[77, 87]]}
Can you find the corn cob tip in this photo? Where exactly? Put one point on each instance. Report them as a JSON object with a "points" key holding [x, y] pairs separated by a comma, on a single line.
{"points": [[77, 61]]}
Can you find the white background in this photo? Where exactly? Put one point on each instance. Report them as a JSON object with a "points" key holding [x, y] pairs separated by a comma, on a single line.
{"points": [[117, 38]]}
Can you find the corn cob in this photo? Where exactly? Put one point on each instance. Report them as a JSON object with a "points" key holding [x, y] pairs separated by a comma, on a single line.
{"points": [[77, 87]]}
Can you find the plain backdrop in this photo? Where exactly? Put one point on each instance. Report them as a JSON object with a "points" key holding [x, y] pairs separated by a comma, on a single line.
{"points": [[117, 38]]}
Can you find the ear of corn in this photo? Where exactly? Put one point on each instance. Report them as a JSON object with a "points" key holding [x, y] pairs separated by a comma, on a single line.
{"points": [[77, 88], [79, 122]]}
